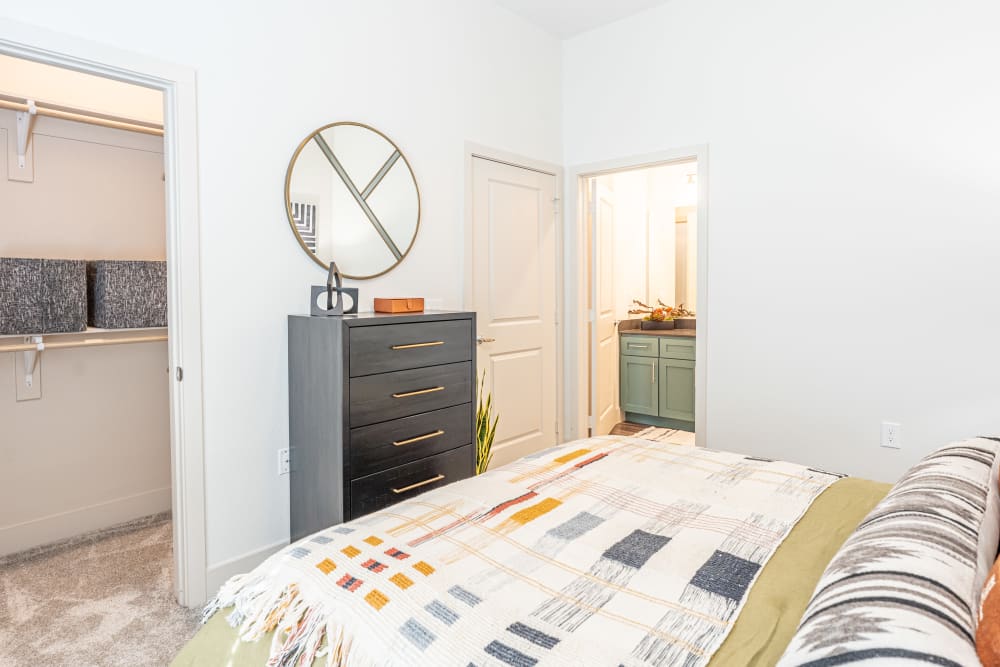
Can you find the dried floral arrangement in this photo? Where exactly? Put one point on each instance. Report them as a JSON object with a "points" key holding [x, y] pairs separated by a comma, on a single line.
{"points": [[661, 312]]}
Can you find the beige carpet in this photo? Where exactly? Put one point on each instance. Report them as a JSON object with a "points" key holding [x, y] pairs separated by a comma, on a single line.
{"points": [[103, 602]]}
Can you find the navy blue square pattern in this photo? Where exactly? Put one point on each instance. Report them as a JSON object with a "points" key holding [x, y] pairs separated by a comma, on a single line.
{"points": [[726, 575], [636, 548]]}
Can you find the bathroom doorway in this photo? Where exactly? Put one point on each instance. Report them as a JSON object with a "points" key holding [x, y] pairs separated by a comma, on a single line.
{"points": [[642, 296]]}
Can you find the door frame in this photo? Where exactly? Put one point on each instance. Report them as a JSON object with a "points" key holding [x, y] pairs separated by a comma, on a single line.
{"points": [[577, 408], [473, 151], [180, 150]]}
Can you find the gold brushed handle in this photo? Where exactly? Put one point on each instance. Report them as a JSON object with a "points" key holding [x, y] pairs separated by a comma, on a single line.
{"points": [[410, 346], [410, 441], [418, 392], [436, 478]]}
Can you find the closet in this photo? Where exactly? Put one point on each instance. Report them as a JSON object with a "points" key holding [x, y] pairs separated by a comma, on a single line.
{"points": [[84, 403]]}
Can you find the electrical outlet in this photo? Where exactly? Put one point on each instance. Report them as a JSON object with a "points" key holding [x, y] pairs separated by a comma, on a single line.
{"points": [[891, 435], [284, 462]]}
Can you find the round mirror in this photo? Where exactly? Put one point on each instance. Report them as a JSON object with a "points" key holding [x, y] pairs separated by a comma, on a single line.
{"points": [[351, 198]]}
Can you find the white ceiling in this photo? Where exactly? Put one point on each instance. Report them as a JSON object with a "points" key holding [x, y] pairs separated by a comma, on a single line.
{"points": [[565, 18]]}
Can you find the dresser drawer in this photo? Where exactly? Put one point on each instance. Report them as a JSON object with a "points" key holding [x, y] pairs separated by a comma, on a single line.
{"points": [[380, 446], [394, 347], [639, 346], [676, 348], [374, 492], [379, 398]]}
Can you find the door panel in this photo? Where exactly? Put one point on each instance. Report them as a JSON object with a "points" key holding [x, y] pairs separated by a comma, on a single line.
{"points": [[639, 385], [677, 389], [514, 295], [604, 389]]}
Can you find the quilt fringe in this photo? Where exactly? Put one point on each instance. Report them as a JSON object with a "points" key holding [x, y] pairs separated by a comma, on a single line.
{"points": [[261, 603]]}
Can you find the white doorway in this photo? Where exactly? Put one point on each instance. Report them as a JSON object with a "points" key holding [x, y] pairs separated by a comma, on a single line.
{"points": [[640, 244], [177, 84], [513, 284]]}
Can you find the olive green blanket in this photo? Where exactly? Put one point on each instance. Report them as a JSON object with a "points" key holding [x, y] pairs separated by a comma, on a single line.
{"points": [[765, 626]]}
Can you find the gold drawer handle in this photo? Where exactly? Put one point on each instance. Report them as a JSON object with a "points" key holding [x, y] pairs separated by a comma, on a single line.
{"points": [[418, 392], [437, 478], [410, 441], [413, 345]]}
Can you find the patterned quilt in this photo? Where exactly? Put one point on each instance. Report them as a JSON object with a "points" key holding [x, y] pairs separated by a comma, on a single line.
{"points": [[606, 551]]}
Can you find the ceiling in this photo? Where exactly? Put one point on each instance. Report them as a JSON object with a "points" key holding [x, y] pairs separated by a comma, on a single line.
{"points": [[565, 18]]}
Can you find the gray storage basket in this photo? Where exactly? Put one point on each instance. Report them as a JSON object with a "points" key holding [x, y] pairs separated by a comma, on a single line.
{"points": [[127, 294], [42, 296]]}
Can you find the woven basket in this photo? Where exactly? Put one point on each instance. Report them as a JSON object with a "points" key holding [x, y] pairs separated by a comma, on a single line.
{"points": [[127, 294], [42, 296]]}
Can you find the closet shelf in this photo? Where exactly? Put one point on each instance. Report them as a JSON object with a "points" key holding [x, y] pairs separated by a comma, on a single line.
{"points": [[81, 339]]}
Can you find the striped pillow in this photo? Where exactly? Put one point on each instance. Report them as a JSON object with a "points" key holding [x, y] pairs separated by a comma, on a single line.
{"points": [[906, 583]]}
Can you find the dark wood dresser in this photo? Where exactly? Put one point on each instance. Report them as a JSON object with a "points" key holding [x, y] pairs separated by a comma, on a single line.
{"points": [[381, 408]]}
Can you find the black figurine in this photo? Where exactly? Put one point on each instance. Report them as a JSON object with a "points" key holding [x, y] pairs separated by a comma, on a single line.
{"points": [[334, 283]]}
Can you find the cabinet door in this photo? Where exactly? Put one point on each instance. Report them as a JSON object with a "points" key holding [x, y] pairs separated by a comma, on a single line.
{"points": [[639, 385], [677, 389]]}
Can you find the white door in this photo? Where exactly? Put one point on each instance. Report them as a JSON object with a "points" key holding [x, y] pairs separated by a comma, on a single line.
{"points": [[604, 407], [514, 283]]}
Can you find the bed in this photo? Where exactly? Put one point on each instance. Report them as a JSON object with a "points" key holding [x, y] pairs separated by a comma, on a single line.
{"points": [[605, 551]]}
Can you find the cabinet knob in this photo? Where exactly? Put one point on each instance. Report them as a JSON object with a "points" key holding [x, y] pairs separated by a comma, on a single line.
{"points": [[483, 339]]}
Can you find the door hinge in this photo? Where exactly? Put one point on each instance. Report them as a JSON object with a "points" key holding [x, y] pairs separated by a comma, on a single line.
{"points": [[179, 374]]}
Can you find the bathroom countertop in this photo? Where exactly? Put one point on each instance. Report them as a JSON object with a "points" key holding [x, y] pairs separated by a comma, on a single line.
{"points": [[679, 333]]}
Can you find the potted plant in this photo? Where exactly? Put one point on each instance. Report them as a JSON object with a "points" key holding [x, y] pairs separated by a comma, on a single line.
{"points": [[486, 428]]}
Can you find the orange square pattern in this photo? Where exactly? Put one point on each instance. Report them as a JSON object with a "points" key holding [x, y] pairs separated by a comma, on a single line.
{"points": [[423, 568], [376, 598]]}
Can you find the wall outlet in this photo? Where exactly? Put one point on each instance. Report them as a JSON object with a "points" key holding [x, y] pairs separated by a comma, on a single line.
{"points": [[891, 435], [284, 462]]}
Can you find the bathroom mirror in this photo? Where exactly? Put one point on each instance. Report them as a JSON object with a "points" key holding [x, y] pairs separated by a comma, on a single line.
{"points": [[351, 197]]}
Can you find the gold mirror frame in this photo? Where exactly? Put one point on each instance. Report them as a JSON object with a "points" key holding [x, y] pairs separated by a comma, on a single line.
{"points": [[288, 198]]}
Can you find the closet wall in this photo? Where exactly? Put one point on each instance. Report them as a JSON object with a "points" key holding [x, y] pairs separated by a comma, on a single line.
{"points": [[94, 450]]}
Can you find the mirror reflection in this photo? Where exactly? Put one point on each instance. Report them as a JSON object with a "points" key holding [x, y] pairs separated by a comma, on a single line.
{"points": [[351, 198]]}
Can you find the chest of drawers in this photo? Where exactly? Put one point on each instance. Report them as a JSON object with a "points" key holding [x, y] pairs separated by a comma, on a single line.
{"points": [[381, 408]]}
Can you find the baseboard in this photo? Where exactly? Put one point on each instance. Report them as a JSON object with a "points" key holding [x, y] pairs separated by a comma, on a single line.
{"points": [[220, 573], [57, 527]]}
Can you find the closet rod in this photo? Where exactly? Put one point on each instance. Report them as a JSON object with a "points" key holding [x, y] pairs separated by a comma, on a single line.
{"points": [[90, 342], [79, 115]]}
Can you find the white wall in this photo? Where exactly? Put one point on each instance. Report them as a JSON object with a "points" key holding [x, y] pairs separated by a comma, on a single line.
{"points": [[854, 232], [645, 204], [431, 75], [630, 195], [94, 449]]}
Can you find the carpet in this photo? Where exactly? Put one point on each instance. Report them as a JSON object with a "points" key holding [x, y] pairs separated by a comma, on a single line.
{"points": [[102, 602]]}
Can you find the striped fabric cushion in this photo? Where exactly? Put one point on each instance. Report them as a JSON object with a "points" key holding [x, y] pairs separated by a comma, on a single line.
{"points": [[906, 584]]}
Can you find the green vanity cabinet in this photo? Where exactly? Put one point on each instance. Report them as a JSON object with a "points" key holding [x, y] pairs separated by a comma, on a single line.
{"points": [[638, 384], [657, 380], [676, 389]]}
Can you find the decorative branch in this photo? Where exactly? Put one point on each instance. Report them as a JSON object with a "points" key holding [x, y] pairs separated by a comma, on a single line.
{"points": [[661, 312]]}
